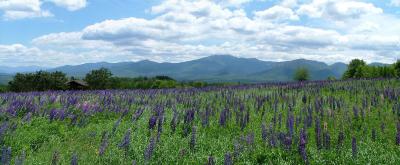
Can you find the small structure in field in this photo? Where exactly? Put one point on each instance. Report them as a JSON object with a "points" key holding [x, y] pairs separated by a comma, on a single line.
{"points": [[77, 85]]}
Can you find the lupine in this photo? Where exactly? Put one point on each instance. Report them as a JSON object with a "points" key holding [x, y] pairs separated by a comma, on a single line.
{"points": [[264, 133], [340, 138], [210, 161], [104, 143], [398, 134], [228, 159], [19, 160], [318, 133], [373, 134], [354, 147], [150, 149], [74, 159], [302, 146], [192, 142], [55, 158], [6, 156], [327, 141], [152, 122], [126, 141]]}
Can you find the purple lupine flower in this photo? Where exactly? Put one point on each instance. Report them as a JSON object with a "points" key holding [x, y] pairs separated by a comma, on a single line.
{"points": [[152, 122], [193, 139], [126, 140], [302, 146], [137, 114], [354, 147], [53, 115], [115, 126], [3, 129], [222, 118], [55, 158], [398, 134], [134, 162], [160, 124], [150, 149], [264, 133], [19, 160], [228, 159], [27, 117], [290, 124], [210, 161], [373, 134], [74, 160], [104, 143], [327, 140], [272, 140], [6, 156], [355, 112], [287, 142], [318, 133], [174, 122], [340, 138], [383, 126]]}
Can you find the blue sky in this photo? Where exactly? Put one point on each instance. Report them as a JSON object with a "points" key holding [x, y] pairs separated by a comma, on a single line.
{"points": [[63, 32]]}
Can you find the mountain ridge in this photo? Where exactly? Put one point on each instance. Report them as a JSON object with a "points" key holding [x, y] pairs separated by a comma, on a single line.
{"points": [[215, 68]]}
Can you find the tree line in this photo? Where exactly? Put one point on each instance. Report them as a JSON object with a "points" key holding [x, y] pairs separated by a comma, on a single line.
{"points": [[358, 69], [96, 79]]}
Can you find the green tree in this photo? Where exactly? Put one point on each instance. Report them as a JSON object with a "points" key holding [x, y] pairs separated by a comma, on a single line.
{"points": [[354, 69], [397, 68], [301, 74], [39, 81], [99, 79]]}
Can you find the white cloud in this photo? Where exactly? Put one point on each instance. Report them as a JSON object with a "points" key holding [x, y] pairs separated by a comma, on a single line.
{"points": [[395, 3], [185, 30], [71, 5], [277, 13], [338, 9], [21, 9]]}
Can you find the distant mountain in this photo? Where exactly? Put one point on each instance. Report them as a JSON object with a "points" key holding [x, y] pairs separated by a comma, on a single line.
{"points": [[214, 68], [24, 69], [5, 78], [378, 64]]}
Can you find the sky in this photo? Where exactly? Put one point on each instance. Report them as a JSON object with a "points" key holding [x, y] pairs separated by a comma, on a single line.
{"points": [[52, 33]]}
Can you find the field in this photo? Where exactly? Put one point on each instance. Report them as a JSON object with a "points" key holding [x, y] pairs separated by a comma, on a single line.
{"points": [[339, 122]]}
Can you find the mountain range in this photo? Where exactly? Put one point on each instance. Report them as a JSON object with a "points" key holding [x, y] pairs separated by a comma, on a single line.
{"points": [[216, 68]]}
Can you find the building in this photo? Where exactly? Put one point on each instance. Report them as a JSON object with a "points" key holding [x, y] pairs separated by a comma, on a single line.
{"points": [[77, 85]]}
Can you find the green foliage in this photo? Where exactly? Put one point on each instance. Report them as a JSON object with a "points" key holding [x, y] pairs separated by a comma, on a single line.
{"points": [[99, 79], [302, 74], [358, 69], [354, 69], [397, 68], [39, 81]]}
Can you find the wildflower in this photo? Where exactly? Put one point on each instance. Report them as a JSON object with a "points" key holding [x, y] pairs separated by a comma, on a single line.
{"points": [[228, 159], [302, 146], [74, 160], [193, 139], [150, 149], [152, 122], [104, 143], [19, 160], [126, 140], [340, 138], [55, 158], [6, 156], [354, 147], [211, 161], [264, 133]]}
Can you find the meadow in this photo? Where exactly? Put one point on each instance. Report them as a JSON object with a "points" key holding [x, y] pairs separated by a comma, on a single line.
{"points": [[317, 122]]}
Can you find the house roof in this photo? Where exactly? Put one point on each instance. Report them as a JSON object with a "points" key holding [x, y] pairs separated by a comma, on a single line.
{"points": [[80, 82]]}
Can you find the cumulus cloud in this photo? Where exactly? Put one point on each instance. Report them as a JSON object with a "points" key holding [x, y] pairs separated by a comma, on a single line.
{"points": [[277, 13], [71, 5], [338, 9], [20, 9], [182, 30], [395, 3]]}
